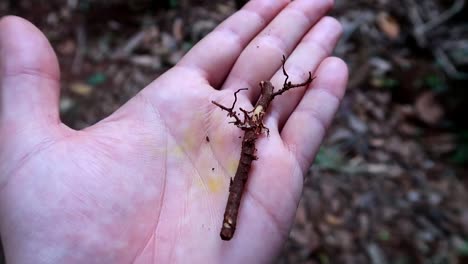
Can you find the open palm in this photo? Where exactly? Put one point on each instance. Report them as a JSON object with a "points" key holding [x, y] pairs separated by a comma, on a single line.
{"points": [[149, 184]]}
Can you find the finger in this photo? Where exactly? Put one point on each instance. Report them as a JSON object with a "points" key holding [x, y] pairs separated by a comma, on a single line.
{"points": [[317, 45], [262, 57], [29, 74], [306, 127], [214, 56]]}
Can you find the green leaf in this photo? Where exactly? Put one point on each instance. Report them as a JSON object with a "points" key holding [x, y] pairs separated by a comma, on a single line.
{"points": [[390, 83], [323, 258], [435, 83], [462, 248], [329, 158], [173, 3], [461, 153], [384, 235], [96, 79]]}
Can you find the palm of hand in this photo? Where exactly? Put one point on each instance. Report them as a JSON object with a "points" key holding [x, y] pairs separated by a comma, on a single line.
{"points": [[146, 185], [148, 173]]}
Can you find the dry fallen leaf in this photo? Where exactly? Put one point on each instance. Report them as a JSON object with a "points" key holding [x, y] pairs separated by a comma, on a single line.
{"points": [[81, 88], [441, 143], [389, 25], [333, 220], [178, 29], [67, 47], [428, 109], [147, 61]]}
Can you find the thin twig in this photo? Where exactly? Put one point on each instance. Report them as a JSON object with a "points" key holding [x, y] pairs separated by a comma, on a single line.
{"points": [[446, 15], [80, 34], [421, 28], [253, 127], [130, 45], [444, 61], [288, 85], [231, 112]]}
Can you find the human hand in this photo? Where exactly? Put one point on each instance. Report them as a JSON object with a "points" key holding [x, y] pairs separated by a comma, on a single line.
{"points": [[139, 186]]}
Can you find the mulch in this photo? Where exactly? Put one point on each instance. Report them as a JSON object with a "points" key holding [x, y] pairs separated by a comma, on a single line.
{"points": [[390, 183]]}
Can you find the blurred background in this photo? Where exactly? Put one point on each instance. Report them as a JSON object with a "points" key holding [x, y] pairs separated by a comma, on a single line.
{"points": [[390, 183]]}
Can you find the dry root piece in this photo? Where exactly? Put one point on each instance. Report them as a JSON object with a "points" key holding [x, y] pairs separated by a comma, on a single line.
{"points": [[253, 126]]}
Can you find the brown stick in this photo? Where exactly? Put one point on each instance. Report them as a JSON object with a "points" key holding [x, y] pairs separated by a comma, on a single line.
{"points": [[253, 127]]}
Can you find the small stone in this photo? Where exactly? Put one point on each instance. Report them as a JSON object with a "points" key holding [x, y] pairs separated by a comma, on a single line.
{"points": [[66, 103], [413, 196]]}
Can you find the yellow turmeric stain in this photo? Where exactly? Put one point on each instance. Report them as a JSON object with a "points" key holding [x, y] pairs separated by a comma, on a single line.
{"points": [[231, 166], [214, 184], [189, 140], [176, 152], [219, 141], [188, 143], [211, 184]]}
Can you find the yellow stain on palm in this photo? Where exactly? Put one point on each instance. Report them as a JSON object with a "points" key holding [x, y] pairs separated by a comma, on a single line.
{"points": [[231, 166], [210, 184], [176, 152], [189, 141], [191, 138], [215, 184], [218, 141]]}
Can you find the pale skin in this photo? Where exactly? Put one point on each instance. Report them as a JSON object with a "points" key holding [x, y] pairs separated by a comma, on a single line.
{"points": [[139, 186]]}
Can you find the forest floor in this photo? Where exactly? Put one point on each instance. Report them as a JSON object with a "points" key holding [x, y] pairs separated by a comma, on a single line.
{"points": [[389, 184]]}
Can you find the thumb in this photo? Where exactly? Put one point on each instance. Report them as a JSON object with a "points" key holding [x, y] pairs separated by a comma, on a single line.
{"points": [[29, 75]]}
